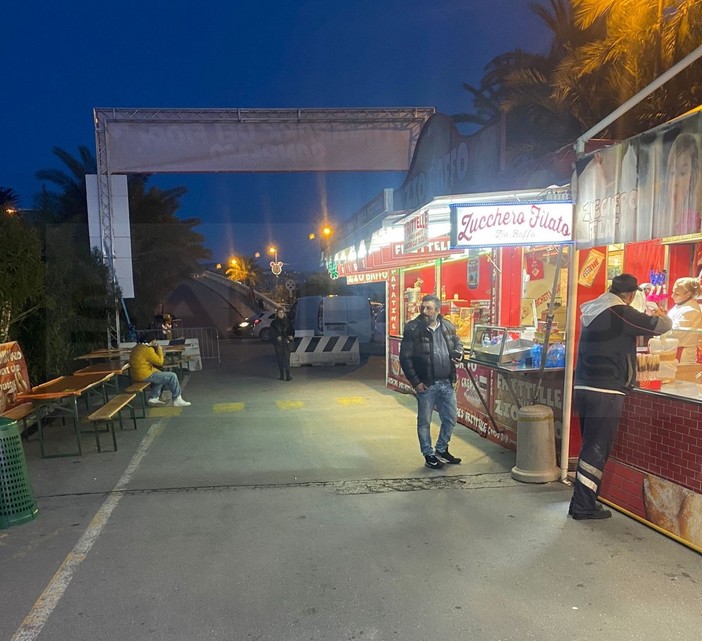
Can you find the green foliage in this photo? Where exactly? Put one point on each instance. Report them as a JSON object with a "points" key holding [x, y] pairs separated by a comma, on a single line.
{"points": [[77, 299], [21, 273]]}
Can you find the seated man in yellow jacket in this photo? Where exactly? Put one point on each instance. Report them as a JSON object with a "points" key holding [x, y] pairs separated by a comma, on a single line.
{"points": [[144, 361]]}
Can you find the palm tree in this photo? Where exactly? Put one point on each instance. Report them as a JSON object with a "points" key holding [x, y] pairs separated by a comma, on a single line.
{"points": [[519, 87], [625, 61], [9, 200], [165, 249], [69, 203], [600, 55], [246, 269]]}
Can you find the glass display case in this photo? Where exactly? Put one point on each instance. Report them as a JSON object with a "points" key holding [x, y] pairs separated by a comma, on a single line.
{"points": [[500, 345]]}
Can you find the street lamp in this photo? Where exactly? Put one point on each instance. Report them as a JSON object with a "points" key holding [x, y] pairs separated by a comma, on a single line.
{"points": [[276, 266]]}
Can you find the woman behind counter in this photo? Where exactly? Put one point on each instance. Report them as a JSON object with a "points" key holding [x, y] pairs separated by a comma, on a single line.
{"points": [[687, 317], [283, 332]]}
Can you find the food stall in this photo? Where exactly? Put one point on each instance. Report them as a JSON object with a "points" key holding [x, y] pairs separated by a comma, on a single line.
{"points": [[496, 260], [638, 211]]}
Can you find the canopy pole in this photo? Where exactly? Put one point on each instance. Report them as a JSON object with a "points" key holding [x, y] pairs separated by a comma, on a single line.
{"points": [[549, 322], [571, 316]]}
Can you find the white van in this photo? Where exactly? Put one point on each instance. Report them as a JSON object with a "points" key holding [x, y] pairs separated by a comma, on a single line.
{"points": [[332, 316]]}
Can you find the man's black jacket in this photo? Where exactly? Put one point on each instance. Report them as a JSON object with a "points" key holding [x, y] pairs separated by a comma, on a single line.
{"points": [[416, 350]]}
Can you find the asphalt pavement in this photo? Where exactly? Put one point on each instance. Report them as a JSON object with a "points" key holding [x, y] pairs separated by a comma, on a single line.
{"points": [[272, 510]]}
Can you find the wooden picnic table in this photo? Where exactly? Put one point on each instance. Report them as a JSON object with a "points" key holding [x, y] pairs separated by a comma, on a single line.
{"points": [[108, 367], [173, 349], [106, 354], [59, 389]]}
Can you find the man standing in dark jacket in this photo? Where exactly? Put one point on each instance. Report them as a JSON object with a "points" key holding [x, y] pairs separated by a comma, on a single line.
{"points": [[604, 374], [429, 353]]}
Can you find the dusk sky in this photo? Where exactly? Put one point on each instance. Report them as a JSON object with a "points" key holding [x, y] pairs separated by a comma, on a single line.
{"points": [[60, 60]]}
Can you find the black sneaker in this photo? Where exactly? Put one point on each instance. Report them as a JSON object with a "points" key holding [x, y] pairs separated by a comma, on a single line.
{"points": [[433, 462], [447, 457]]}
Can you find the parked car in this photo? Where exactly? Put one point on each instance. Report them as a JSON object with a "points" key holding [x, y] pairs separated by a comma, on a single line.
{"points": [[262, 326], [245, 327]]}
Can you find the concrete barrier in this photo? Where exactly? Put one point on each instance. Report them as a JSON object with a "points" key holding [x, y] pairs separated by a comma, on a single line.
{"points": [[325, 350]]}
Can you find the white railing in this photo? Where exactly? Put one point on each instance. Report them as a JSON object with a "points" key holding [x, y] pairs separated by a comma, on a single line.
{"points": [[207, 338]]}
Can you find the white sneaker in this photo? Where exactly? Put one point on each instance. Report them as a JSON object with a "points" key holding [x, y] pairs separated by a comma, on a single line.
{"points": [[155, 401], [181, 402]]}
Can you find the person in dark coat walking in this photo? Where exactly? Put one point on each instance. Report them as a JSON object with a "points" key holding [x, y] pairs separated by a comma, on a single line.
{"points": [[283, 333], [429, 353]]}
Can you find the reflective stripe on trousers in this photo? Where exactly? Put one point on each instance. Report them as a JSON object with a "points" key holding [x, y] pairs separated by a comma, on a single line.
{"points": [[599, 415]]}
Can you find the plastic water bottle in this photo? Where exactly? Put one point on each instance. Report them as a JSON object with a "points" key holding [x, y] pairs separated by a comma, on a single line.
{"points": [[552, 355], [486, 340], [536, 352], [555, 357]]}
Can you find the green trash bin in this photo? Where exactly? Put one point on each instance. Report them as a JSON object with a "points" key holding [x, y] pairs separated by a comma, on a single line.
{"points": [[17, 504]]}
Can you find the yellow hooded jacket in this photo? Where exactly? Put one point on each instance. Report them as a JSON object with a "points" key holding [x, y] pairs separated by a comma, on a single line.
{"points": [[144, 360]]}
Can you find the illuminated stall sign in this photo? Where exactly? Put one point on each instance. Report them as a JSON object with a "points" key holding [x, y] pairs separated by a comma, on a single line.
{"points": [[393, 255], [393, 303], [537, 223], [439, 247], [366, 277], [416, 232]]}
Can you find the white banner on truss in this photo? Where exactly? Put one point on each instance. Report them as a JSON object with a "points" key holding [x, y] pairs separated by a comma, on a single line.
{"points": [[208, 147]]}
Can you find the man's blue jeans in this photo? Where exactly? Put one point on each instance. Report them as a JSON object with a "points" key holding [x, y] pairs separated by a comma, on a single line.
{"points": [[159, 380], [442, 396]]}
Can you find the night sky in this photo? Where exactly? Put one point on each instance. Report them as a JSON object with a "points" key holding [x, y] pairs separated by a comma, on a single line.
{"points": [[60, 60]]}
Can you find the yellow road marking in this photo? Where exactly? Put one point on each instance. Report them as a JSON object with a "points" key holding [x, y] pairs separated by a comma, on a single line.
{"points": [[289, 405], [163, 411], [351, 400], [221, 408]]}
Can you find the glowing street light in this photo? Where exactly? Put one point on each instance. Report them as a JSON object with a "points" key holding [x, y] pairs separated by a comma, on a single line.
{"points": [[276, 266]]}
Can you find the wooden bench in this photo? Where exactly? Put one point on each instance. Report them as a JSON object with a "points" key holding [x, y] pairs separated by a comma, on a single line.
{"points": [[107, 413], [20, 413], [139, 388]]}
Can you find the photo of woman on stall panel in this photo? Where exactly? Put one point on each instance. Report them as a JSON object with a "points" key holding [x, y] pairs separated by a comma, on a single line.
{"points": [[681, 199], [687, 317]]}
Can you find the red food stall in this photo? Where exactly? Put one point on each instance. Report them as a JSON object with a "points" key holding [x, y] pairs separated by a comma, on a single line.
{"points": [[638, 211], [492, 259]]}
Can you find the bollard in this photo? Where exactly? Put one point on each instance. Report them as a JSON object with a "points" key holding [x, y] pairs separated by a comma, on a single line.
{"points": [[17, 503], [536, 445]]}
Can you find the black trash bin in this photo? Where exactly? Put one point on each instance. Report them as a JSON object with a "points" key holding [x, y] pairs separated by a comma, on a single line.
{"points": [[17, 504]]}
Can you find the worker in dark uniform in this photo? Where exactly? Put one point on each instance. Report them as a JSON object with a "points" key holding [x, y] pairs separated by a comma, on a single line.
{"points": [[604, 374]]}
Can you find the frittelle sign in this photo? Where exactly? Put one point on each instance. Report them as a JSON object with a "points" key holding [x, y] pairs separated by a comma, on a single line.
{"points": [[539, 223]]}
